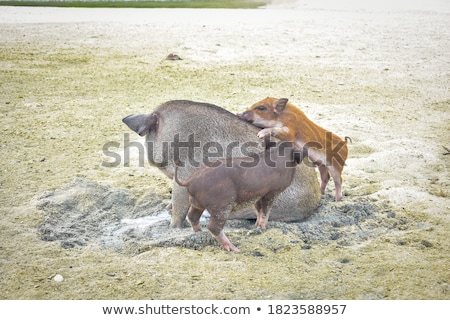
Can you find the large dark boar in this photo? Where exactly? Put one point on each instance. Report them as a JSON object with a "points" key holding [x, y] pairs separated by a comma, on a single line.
{"points": [[192, 133]]}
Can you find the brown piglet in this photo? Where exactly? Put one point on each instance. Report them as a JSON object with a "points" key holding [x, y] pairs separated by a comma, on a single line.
{"points": [[281, 119], [227, 184]]}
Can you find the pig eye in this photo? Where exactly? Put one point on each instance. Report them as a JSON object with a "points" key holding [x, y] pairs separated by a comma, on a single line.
{"points": [[261, 108]]}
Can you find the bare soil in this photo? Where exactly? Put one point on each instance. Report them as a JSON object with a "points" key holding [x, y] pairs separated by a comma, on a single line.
{"points": [[68, 77]]}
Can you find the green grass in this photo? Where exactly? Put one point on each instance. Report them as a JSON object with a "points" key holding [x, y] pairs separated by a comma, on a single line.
{"points": [[229, 4]]}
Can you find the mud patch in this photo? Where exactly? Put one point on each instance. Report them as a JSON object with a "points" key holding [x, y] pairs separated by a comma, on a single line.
{"points": [[86, 211]]}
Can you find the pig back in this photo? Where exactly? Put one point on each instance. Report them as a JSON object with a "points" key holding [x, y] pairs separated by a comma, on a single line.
{"points": [[197, 132], [192, 133]]}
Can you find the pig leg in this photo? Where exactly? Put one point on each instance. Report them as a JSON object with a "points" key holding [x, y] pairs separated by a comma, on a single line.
{"points": [[180, 205], [263, 207], [215, 226], [194, 214], [337, 178], [282, 133], [258, 208], [265, 132], [324, 177]]}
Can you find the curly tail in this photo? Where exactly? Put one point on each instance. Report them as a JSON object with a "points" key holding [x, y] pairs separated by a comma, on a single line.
{"points": [[181, 183], [347, 139]]}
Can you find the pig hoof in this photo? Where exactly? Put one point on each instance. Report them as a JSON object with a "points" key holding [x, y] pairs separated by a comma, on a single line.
{"points": [[177, 224], [259, 225], [264, 132], [231, 248], [226, 244]]}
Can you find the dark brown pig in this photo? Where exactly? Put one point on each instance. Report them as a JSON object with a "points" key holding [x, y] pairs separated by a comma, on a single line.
{"points": [[225, 184], [194, 133]]}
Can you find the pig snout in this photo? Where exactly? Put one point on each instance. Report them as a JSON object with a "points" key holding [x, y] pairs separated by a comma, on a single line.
{"points": [[247, 116]]}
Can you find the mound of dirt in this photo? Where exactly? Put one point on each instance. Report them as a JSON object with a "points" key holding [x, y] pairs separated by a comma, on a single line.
{"points": [[86, 211]]}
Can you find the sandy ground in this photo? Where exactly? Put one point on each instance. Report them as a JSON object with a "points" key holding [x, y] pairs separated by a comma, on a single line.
{"points": [[379, 75]]}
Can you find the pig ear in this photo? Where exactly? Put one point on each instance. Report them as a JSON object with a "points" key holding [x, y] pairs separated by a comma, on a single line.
{"points": [[280, 105], [142, 124]]}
